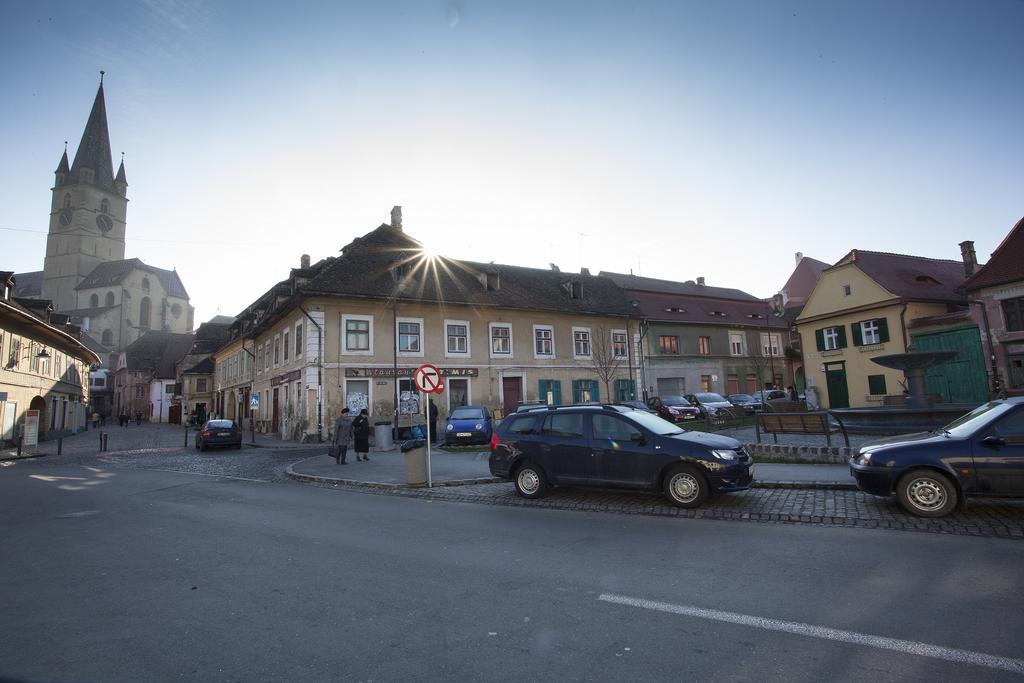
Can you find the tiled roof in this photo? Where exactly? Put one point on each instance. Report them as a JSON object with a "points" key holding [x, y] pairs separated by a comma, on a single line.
{"points": [[801, 282], [1005, 265], [678, 308], [29, 285], [203, 367], [94, 149], [649, 284], [158, 352], [365, 269], [114, 272], [911, 277]]}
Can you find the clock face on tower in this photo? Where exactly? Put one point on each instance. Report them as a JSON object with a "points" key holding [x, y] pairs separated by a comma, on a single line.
{"points": [[104, 223], [65, 216]]}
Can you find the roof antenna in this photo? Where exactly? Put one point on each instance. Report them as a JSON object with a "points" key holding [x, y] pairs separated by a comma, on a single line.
{"points": [[65, 146], [101, 76]]}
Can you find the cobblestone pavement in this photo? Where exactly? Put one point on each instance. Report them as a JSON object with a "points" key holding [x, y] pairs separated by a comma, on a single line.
{"points": [[982, 517]]}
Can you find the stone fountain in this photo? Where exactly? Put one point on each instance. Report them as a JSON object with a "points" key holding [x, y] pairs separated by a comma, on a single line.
{"points": [[914, 365]]}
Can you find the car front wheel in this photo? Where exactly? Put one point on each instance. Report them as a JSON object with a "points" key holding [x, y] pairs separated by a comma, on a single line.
{"points": [[530, 481], [927, 494], [685, 487]]}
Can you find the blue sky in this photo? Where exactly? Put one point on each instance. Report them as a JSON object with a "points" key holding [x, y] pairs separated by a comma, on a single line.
{"points": [[678, 139]]}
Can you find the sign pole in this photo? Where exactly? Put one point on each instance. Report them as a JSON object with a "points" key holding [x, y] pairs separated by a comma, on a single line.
{"points": [[426, 412]]}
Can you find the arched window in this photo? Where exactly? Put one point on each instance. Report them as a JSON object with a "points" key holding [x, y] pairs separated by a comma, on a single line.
{"points": [[145, 284], [67, 201], [94, 301], [110, 298], [105, 206], [108, 338], [144, 313]]}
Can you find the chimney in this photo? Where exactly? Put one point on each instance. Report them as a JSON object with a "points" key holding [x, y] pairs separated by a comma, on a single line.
{"points": [[396, 217], [700, 281], [799, 255], [584, 271], [969, 257], [304, 261]]}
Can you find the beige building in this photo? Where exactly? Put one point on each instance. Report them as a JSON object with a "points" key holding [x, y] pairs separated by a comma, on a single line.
{"points": [[865, 306], [349, 332], [45, 368], [234, 372]]}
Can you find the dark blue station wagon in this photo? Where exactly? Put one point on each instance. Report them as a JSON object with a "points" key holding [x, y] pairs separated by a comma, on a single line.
{"points": [[615, 446]]}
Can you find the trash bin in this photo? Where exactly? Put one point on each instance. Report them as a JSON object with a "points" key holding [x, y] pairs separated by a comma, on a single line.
{"points": [[415, 453], [382, 437]]}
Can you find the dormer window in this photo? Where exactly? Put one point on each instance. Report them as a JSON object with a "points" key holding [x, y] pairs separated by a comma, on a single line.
{"points": [[675, 309], [492, 282], [717, 314], [145, 284], [105, 206], [756, 316], [577, 289], [87, 175], [926, 280]]}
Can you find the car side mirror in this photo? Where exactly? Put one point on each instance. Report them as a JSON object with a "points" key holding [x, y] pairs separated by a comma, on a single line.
{"points": [[639, 439], [993, 441]]}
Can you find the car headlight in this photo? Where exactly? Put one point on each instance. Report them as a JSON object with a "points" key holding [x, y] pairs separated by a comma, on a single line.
{"points": [[450, 426], [724, 455], [478, 426], [864, 458]]}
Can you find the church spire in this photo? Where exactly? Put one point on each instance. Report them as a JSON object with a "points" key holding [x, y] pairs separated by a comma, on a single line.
{"points": [[94, 149], [121, 181], [62, 167]]}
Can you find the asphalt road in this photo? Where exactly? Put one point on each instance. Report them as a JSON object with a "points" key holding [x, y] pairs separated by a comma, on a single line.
{"points": [[115, 571]]}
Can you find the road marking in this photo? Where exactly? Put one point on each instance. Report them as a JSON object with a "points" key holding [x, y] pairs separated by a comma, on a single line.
{"points": [[905, 646], [200, 474]]}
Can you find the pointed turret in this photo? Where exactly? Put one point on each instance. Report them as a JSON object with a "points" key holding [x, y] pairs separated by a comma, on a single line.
{"points": [[121, 181], [62, 168], [92, 161]]}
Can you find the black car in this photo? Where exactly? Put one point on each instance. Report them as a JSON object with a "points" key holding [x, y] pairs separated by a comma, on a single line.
{"points": [[614, 445], [638, 405], [979, 454], [746, 402], [219, 433]]}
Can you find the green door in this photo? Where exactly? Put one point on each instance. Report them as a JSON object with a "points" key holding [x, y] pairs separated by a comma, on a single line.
{"points": [[962, 379], [835, 383]]}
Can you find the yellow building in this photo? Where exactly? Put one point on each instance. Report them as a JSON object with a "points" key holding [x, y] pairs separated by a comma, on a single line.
{"points": [[864, 306], [44, 367], [349, 332]]}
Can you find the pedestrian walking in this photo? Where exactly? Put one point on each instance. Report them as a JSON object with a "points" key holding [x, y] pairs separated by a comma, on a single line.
{"points": [[432, 419], [361, 435], [793, 396], [342, 436], [122, 419]]}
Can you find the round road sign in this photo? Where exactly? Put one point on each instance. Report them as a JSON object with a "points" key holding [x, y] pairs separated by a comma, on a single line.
{"points": [[427, 379]]}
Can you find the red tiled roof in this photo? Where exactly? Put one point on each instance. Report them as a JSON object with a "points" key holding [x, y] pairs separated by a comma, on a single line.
{"points": [[911, 277], [1006, 263], [680, 308], [800, 284]]}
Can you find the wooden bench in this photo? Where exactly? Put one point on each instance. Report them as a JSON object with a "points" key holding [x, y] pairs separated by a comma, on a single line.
{"points": [[818, 422]]}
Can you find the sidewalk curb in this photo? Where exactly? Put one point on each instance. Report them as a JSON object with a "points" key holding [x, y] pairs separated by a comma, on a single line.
{"points": [[809, 485], [337, 481]]}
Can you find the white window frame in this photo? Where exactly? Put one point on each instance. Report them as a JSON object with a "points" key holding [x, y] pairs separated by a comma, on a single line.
{"points": [[625, 345], [284, 346], [741, 338], [276, 350], [423, 337], [590, 343], [469, 340], [490, 340], [550, 329], [830, 335], [369, 392], [469, 392], [875, 330], [345, 351]]}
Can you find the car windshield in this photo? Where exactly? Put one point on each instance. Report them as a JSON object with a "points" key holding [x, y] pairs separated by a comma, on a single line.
{"points": [[969, 423], [467, 413], [711, 398], [655, 424], [674, 401], [741, 398], [220, 424]]}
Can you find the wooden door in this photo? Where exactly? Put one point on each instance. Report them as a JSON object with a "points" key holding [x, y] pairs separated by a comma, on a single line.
{"points": [[512, 392]]}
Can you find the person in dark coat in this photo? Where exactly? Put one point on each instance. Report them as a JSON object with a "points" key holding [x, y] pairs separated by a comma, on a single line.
{"points": [[432, 419], [792, 395], [361, 435], [342, 436]]}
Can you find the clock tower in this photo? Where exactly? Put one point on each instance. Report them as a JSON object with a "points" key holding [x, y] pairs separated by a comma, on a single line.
{"points": [[87, 212]]}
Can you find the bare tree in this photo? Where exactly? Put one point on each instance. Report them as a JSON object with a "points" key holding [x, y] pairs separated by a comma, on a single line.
{"points": [[604, 359]]}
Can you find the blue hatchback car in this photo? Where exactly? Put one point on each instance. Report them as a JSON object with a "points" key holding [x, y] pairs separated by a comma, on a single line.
{"points": [[469, 425]]}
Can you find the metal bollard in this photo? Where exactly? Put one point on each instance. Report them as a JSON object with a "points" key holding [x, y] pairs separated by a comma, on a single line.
{"points": [[104, 442], [21, 437], [60, 445], [186, 437]]}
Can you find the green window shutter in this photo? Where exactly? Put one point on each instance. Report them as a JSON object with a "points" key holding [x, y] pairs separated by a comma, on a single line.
{"points": [[577, 391], [858, 337], [595, 393], [819, 337], [542, 389], [842, 337], [883, 330], [556, 391], [876, 385]]}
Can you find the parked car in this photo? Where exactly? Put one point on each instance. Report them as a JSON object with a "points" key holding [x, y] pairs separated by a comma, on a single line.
{"points": [[762, 396], [468, 424], [710, 404], [978, 454], [673, 408], [638, 405], [746, 402], [617, 446], [216, 433]]}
